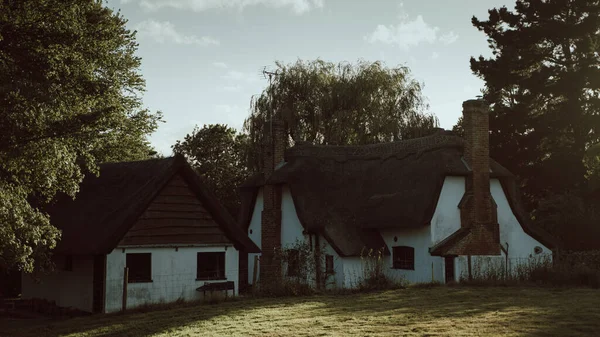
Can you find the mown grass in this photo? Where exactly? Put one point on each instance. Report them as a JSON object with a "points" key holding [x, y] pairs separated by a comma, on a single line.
{"points": [[416, 311]]}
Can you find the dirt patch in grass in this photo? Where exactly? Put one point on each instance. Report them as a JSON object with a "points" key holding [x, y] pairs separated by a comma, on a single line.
{"points": [[437, 311]]}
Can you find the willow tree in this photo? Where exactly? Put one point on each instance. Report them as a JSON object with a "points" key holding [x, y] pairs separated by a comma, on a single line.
{"points": [[341, 104], [69, 98]]}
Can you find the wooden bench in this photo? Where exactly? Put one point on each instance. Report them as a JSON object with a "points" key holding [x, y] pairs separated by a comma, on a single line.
{"points": [[212, 286]]}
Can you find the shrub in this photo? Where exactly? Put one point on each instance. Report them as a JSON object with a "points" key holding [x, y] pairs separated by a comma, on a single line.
{"points": [[374, 277], [299, 272]]}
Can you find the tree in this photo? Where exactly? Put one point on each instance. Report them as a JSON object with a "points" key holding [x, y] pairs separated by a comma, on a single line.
{"points": [[543, 86], [69, 99], [341, 104], [218, 153]]}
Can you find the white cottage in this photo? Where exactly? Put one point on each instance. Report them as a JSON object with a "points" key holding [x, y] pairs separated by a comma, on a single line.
{"points": [[434, 205], [153, 218]]}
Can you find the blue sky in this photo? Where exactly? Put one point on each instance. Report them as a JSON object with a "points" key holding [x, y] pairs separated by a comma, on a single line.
{"points": [[202, 58]]}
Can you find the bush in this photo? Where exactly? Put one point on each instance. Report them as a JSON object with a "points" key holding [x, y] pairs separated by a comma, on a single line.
{"points": [[373, 276], [299, 272]]}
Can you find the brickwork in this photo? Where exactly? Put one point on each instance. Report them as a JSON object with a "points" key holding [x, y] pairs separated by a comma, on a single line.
{"points": [[273, 154], [478, 211]]}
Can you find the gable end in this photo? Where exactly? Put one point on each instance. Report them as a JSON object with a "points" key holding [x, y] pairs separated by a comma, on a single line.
{"points": [[175, 216]]}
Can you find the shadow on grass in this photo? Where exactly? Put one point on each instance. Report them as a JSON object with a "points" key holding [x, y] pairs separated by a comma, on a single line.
{"points": [[531, 311], [439, 310]]}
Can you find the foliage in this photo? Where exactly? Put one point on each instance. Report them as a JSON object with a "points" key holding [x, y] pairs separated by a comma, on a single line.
{"points": [[218, 153], [571, 218], [341, 104], [543, 85], [374, 276], [69, 99], [299, 271]]}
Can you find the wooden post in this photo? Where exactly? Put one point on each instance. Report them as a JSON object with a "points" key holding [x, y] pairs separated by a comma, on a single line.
{"points": [[432, 276], [469, 265], [255, 272], [507, 261], [125, 281], [318, 262]]}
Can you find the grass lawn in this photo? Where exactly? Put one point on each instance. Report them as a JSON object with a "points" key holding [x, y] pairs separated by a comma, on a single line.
{"points": [[438, 311]]}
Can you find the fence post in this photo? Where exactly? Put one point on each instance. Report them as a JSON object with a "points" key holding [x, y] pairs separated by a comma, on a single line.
{"points": [[432, 276], [469, 267], [125, 281], [254, 272]]}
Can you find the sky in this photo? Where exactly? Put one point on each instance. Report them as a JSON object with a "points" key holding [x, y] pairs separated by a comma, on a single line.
{"points": [[202, 59]]}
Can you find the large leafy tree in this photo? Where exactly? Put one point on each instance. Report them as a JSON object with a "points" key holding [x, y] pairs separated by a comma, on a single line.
{"points": [[219, 154], [341, 104], [69, 98], [543, 85]]}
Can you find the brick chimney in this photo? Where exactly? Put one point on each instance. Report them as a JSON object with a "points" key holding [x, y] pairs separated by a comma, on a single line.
{"points": [[273, 155], [478, 209]]}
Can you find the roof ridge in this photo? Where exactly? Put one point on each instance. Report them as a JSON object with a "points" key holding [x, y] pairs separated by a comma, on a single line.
{"points": [[122, 163], [437, 140]]}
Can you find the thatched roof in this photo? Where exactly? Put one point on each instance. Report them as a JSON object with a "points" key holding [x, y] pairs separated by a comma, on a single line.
{"points": [[107, 206], [347, 193]]}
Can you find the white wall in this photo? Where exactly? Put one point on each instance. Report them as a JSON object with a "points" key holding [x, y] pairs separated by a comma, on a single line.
{"points": [[254, 233], [291, 234], [291, 228], [445, 221], [520, 244], [352, 271], [173, 275], [427, 268], [419, 239], [337, 279], [446, 217], [67, 288]]}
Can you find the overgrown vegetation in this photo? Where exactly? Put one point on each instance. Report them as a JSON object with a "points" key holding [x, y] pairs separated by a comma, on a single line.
{"points": [[374, 276], [571, 269], [299, 267]]}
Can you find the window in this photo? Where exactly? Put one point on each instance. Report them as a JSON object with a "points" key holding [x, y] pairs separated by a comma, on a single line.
{"points": [[140, 267], [211, 266], [293, 262], [329, 264], [68, 263], [403, 257]]}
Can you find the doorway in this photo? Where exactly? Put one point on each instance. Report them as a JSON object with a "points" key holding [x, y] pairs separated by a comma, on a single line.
{"points": [[98, 283], [449, 268]]}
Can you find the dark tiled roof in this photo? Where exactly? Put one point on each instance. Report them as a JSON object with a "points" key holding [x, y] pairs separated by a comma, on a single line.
{"points": [[108, 205], [346, 191]]}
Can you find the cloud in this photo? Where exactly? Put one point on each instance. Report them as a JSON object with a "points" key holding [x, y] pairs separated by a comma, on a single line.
{"points": [[448, 38], [164, 31], [232, 88], [220, 65], [409, 33], [237, 76], [434, 55], [297, 6], [232, 115]]}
